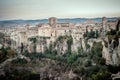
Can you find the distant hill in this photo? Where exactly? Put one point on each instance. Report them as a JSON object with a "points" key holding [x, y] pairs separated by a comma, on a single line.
{"points": [[12, 23]]}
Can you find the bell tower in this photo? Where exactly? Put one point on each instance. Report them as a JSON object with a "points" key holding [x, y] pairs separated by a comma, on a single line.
{"points": [[104, 26], [52, 21]]}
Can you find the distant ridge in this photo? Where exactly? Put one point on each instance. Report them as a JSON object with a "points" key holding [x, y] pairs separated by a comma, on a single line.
{"points": [[72, 20], [37, 21]]}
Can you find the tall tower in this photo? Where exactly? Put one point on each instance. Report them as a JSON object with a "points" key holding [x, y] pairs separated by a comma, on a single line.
{"points": [[27, 26], [104, 25], [52, 21]]}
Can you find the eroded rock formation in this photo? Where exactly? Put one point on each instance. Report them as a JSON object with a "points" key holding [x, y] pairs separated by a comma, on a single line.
{"points": [[112, 51]]}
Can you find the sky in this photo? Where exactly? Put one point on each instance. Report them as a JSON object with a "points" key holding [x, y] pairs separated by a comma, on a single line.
{"points": [[40, 9]]}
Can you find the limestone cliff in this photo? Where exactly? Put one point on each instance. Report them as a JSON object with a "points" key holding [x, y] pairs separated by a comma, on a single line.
{"points": [[111, 49]]}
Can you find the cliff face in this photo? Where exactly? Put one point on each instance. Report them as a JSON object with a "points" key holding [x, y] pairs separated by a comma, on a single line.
{"points": [[111, 54], [111, 46], [61, 47]]}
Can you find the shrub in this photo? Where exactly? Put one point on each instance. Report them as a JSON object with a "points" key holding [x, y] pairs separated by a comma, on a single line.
{"points": [[19, 61], [87, 63]]}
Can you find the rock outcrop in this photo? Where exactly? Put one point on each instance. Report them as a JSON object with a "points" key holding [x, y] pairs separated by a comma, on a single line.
{"points": [[111, 46]]}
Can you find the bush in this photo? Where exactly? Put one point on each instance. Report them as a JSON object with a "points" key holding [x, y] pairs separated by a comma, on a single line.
{"points": [[15, 74], [19, 61], [87, 63], [102, 61], [71, 58], [79, 70], [111, 32], [102, 76], [96, 51]]}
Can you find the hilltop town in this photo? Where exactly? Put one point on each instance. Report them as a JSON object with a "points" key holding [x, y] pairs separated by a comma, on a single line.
{"points": [[96, 43], [53, 30]]}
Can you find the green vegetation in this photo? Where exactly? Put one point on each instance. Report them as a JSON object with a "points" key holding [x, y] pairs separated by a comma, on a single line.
{"points": [[34, 40], [15, 74], [6, 53], [71, 58], [19, 61], [111, 32], [2, 35], [102, 76], [89, 64], [69, 42], [114, 35], [91, 34]]}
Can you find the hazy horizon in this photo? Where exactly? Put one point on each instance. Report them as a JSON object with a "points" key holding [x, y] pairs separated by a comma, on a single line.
{"points": [[43, 9]]}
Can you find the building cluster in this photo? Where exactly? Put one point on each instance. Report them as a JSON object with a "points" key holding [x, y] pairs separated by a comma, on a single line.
{"points": [[52, 30]]}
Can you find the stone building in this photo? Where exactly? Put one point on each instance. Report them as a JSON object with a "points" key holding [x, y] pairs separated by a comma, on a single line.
{"points": [[104, 23], [52, 21]]}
